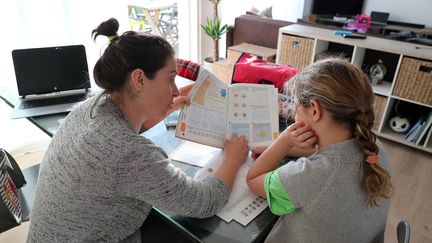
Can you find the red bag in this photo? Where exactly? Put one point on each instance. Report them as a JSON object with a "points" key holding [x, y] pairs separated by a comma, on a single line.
{"points": [[250, 69]]}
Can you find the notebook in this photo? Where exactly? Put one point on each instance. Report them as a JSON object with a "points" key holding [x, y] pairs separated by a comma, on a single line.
{"points": [[379, 18], [50, 79]]}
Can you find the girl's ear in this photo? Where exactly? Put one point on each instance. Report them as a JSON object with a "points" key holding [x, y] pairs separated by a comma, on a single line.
{"points": [[137, 79], [315, 110]]}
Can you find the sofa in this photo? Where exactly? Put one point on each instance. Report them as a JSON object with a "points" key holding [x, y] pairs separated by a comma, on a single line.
{"points": [[255, 30]]}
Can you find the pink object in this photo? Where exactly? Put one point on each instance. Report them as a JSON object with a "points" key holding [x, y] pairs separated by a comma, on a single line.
{"points": [[362, 22]]}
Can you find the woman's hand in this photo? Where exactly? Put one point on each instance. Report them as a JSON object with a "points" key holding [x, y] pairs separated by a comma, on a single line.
{"points": [[236, 149], [182, 99], [235, 153], [178, 102], [185, 90]]}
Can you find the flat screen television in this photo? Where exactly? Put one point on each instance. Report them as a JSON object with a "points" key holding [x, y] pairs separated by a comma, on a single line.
{"points": [[343, 8]]}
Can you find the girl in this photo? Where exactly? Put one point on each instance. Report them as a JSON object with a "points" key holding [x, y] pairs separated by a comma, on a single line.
{"points": [[340, 193], [99, 178]]}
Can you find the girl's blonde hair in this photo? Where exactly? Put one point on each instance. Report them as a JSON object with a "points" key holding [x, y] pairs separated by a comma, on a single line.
{"points": [[344, 91]]}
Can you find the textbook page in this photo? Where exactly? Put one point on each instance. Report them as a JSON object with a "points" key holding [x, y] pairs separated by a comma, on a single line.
{"points": [[204, 120], [253, 112], [242, 205]]}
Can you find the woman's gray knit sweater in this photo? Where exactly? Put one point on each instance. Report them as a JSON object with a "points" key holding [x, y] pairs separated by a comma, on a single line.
{"points": [[99, 180]]}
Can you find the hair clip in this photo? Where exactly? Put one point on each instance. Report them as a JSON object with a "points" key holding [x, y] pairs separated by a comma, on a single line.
{"points": [[372, 159]]}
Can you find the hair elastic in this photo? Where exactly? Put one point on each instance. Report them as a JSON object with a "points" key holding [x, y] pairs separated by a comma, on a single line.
{"points": [[372, 159], [111, 37]]}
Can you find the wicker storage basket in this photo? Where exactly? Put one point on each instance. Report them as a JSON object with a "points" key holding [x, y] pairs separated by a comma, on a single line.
{"points": [[379, 108], [414, 80], [296, 51]]}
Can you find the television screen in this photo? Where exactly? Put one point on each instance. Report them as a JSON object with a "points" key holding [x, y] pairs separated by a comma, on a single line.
{"points": [[337, 7]]}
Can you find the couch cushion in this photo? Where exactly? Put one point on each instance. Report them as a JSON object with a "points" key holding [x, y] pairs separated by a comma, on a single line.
{"points": [[257, 30]]}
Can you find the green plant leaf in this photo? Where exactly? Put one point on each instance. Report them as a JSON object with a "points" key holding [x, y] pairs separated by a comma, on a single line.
{"points": [[214, 28]]}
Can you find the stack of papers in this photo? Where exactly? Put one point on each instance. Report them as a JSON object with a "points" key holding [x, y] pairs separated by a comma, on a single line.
{"points": [[194, 153], [243, 205]]}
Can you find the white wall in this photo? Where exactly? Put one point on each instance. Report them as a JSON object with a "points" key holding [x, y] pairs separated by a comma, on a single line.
{"points": [[412, 11], [289, 10], [187, 23], [42, 23]]}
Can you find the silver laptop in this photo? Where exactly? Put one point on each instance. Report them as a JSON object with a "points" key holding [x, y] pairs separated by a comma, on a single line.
{"points": [[50, 79]]}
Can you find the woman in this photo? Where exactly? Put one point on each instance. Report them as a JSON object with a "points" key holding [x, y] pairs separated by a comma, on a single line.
{"points": [[99, 178], [340, 193]]}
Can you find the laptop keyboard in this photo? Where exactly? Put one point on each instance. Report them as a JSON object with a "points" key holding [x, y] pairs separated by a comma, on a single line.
{"points": [[52, 101]]}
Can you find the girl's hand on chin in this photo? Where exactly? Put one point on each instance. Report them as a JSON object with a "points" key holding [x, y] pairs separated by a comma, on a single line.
{"points": [[300, 135]]}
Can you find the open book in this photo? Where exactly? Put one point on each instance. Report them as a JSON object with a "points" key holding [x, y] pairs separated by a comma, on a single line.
{"points": [[218, 110]]}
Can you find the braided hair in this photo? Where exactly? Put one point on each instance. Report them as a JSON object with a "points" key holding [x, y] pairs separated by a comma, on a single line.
{"points": [[344, 91]]}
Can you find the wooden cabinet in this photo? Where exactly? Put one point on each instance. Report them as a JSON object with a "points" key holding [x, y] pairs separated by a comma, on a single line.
{"points": [[407, 86]]}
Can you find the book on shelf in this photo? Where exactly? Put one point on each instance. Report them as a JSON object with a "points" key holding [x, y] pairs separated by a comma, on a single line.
{"points": [[428, 138], [425, 129], [217, 110], [415, 131]]}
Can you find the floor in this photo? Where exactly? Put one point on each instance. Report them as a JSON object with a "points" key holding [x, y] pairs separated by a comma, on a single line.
{"points": [[412, 170], [412, 200]]}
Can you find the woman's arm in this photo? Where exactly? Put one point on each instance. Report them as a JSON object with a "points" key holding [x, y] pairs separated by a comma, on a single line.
{"points": [[235, 152], [148, 175]]}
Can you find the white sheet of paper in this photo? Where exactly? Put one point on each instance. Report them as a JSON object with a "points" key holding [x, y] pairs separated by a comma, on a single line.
{"points": [[194, 153], [243, 205]]}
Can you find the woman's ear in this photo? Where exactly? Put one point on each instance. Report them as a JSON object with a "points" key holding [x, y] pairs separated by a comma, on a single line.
{"points": [[315, 110], [137, 79]]}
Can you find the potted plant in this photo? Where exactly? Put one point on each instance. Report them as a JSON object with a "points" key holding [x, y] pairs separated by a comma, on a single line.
{"points": [[214, 29]]}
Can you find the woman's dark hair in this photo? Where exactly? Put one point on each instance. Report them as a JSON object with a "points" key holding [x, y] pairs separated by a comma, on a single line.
{"points": [[127, 52]]}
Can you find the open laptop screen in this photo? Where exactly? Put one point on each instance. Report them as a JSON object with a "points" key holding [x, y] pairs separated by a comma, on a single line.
{"points": [[379, 17], [51, 69]]}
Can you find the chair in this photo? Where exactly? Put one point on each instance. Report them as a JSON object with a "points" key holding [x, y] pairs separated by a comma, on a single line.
{"points": [[403, 232], [137, 19], [19, 233], [168, 24]]}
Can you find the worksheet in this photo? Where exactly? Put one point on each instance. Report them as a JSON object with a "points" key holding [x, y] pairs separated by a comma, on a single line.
{"points": [[243, 205]]}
